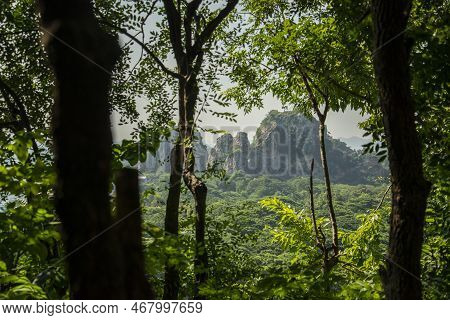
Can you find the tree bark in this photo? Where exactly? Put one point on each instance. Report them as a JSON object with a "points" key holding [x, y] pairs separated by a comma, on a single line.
{"points": [[82, 57], [323, 157], [189, 54], [409, 187], [195, 185], [199, 191], [312, 206], [129, 221], [172, 278]]}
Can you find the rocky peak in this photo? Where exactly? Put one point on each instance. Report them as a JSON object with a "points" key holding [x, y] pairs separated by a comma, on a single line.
{"points": [[284, 145], [161, 161]]}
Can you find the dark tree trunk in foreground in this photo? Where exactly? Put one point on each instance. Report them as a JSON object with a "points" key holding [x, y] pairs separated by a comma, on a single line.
{"points": [[82, 57], [409, 187]]}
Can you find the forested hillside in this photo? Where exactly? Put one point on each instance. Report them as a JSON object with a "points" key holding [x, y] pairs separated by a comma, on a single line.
{"points": [[87, 213]]}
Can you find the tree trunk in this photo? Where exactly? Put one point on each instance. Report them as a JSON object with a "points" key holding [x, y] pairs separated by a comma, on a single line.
{"points": [[196, 186], [82, 57], [199, 192], [409, 187], [189, 55], [129, 221], [323, 157], [172, 278]]}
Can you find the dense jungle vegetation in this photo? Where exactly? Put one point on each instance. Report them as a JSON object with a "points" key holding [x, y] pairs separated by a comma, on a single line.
{"points": [[79, 221]]}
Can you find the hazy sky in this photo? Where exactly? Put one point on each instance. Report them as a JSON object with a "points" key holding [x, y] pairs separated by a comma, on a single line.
{"points": [[340, 124]]}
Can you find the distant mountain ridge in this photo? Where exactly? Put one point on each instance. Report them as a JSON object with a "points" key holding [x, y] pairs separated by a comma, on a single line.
{"points": [[283, 147]]}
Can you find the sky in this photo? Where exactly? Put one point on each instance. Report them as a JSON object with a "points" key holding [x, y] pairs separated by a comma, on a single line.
{"points": [[339, 124]]}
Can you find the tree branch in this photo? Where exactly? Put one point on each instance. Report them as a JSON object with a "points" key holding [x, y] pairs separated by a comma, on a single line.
{"points": [[174, 20], [191, 10], [338, 85], [213, 24], [21, 111], [312, 97], [146, 49], [197, 65], [384, 196]]}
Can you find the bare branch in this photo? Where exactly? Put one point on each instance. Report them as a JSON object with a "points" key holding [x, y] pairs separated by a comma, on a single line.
{"points": [[312, 97], [145, 48], [191, 10], [384, 196], [20, 111]]}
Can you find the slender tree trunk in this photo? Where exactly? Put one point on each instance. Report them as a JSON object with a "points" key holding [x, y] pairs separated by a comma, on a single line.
{"points": [[172, 278], [189, 53], [323, 157], [199, 192], [409, 187], [196, 186], [82, 56], [320, 237], [183, 166], [312, 206]]}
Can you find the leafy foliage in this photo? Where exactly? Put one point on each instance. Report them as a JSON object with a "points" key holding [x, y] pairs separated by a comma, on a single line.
{"points": [[30, 246], [260, 237]]}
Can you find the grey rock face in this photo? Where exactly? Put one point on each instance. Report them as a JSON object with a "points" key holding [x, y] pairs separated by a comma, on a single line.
{"points": [[241, 149], [201, 154], [231, 153], [284, 145], [222, 152], [161, 161]]}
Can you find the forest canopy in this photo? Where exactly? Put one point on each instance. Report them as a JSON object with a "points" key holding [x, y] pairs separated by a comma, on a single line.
{"points": [[291, 213]]}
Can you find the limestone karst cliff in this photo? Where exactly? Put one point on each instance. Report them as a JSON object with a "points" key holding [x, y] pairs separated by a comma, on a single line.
{"points": [[284, 146], [160, 162]]}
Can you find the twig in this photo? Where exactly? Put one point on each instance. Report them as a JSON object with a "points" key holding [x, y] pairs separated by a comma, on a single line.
{"points": [[384, 196]]}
